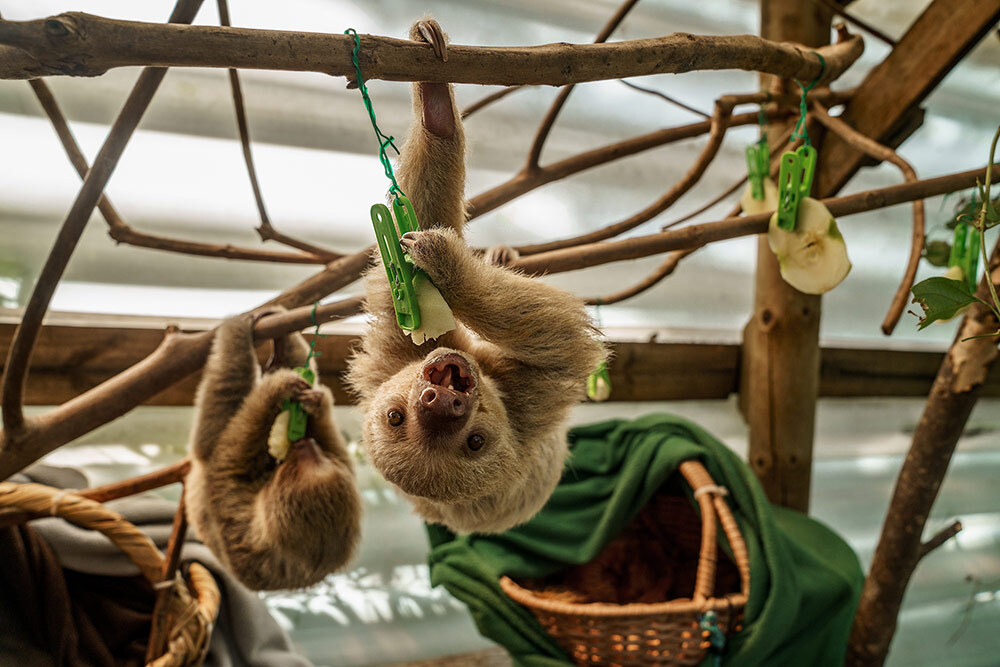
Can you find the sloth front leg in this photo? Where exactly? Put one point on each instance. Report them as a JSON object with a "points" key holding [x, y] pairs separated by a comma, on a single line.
{"points": [[536, 324]]}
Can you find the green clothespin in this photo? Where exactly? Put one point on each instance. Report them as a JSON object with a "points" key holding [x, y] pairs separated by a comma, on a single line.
{"points": [[758, 167], [795, 179], [398, 266], [297, 415], [965, 252], [599, 383], [709, 623]]}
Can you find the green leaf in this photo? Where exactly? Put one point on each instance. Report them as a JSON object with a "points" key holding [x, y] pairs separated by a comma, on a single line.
{"points": [[941, 298]]}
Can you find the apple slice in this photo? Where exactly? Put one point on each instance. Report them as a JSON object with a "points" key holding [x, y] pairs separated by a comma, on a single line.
{"points": [[435, 315], [813, 258], [768, 203]]}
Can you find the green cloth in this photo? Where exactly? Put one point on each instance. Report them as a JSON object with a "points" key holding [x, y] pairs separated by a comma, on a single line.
{"points": [[804, 579]]}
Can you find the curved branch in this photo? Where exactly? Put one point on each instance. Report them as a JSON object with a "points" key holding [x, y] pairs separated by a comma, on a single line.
{"points": [[488, 100], [266, 230], [876, 150], [19, 357], [719, 125], [523, 182], [79, 44], [121, 231], [662, 271], [545, 127]]}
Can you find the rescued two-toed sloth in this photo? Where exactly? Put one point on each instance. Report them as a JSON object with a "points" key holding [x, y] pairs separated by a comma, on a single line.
{"points": [[274, 525], [472, 426]]}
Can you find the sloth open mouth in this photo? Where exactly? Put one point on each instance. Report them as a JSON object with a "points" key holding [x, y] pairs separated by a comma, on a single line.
{"points": [[451, 371]]}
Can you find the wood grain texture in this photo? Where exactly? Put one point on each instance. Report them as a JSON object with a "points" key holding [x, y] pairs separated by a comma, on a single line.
{"points": [[71, 360], [79, 44]]}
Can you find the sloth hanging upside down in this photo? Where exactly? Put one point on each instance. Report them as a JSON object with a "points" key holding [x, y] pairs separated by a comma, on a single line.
{"points": [[472, 426]]}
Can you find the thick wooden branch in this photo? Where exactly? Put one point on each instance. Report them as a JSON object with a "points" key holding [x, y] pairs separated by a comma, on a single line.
{"points": [[16, 368], [883, 153], [79, 44], [594, 254], [960, 382]]}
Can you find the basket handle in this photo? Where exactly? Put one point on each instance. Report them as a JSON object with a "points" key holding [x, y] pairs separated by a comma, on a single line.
{"points": [[712, 507], [87, 513]]}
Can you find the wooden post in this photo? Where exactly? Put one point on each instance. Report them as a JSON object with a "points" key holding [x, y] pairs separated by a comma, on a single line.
{"points": [[781, 359]]}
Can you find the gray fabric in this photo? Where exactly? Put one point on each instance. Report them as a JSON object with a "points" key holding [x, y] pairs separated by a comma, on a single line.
{"points": [[245, 634]]}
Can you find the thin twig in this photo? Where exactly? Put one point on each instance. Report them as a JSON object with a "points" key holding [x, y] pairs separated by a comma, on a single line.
{"points": [[266, 230], [161, 621], [876, 150], [535, 152], [719, 125], [940, 537], [662, 271], [121, 231], [665, 97], [867, 27], [16, 368], [488, 100], [523, 182]]}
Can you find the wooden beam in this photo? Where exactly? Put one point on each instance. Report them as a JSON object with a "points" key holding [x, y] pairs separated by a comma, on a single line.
{"points": [[885, 101], [779, 381], [70, 360]]}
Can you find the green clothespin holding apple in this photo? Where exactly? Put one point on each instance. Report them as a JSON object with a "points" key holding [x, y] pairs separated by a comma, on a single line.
{"points": [[297, 417], [758, 167], [795, 178], [398, 266], [965, 254]]}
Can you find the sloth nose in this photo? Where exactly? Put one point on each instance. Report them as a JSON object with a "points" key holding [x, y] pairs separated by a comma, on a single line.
{"points": [[442, 402]]}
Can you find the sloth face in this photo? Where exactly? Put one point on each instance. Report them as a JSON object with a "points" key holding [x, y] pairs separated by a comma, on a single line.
{"points": [[438, 429]]}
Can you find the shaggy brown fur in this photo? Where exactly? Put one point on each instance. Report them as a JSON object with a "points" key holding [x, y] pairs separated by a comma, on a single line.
{"points": [[472, 427], [273, 525]]}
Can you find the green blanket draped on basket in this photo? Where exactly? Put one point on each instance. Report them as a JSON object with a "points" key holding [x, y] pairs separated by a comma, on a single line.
{"points": [[804, 579]]}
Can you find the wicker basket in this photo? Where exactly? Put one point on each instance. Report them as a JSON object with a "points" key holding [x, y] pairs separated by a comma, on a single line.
{"points": [[663, 633], [192, 605]]}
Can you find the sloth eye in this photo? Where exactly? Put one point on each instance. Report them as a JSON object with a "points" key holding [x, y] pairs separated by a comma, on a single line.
{"points": [[395, 417], [476, 442]]}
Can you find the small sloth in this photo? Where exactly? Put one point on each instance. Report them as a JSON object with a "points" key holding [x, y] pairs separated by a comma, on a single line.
{"points": [[472, 426], [273, 525]]}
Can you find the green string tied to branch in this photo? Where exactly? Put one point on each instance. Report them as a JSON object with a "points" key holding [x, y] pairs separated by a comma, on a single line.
{"points": [[801, 131], [384, 139]]}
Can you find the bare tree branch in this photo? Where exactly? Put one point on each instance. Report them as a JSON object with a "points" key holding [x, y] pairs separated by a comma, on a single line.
{"points": [[81, 44], [122, 232], [545, 127], [719, 125], [876, 150], [662, 271], [666, 98], [19, 357], [694, 236], [940, 537], [266, 230]]}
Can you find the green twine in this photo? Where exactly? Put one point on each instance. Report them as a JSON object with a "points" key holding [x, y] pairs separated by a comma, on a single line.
{"points": [[316, 336], [383, 139], [801, 131]]}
